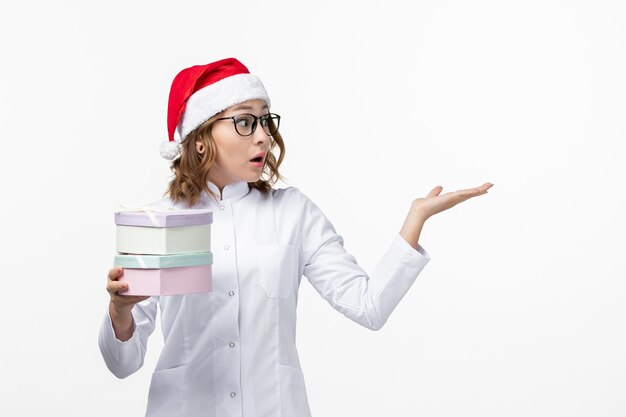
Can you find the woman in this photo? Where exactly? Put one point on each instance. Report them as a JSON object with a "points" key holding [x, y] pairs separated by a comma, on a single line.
{"points": [[232, 352]]}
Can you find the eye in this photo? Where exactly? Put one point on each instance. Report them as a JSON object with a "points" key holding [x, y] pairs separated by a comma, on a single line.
{"points": [[265, 119], [243, 121]]}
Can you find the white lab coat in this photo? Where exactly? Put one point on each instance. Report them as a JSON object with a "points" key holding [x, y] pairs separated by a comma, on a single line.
{"points": [[232, 352]]}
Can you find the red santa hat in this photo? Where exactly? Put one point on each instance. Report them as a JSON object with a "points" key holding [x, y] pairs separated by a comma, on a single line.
{"points": [[202, 91]]}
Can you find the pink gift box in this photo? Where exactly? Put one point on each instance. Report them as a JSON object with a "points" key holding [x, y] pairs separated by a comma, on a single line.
{"points": [[167, 281]]}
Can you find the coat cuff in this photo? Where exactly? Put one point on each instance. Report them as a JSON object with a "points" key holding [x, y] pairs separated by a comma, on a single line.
{"points": [[410, 256], [116, 346]]}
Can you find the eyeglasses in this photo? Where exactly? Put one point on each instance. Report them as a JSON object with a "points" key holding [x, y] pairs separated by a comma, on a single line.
{"points": [[245, 124]]}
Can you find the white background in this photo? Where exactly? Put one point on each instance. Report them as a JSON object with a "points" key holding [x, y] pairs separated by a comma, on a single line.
{"points": [[521, 310]]}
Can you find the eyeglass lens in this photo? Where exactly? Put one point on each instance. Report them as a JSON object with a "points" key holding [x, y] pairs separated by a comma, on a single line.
{"points": [[246, 123]]}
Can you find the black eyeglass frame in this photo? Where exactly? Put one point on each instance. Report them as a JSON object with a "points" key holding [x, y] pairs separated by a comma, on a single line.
{"points": [[269, 116]]}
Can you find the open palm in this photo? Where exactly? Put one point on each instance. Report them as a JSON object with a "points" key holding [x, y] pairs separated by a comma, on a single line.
{"points": [[434, 203]]}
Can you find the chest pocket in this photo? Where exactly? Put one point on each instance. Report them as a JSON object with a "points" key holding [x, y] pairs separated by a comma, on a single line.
{"points": [[276, 269], [275, 260]]}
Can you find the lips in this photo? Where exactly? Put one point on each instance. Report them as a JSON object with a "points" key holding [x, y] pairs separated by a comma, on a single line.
{"points": [[258, 157]]}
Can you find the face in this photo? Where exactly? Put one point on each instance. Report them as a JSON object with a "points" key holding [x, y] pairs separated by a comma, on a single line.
{"points": [[234, 152]]}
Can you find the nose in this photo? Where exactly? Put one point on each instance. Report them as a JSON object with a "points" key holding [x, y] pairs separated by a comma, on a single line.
{"points": [[259, 135]]}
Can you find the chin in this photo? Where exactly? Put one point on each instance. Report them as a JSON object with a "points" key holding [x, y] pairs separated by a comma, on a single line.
{"points": [[253, 178]]}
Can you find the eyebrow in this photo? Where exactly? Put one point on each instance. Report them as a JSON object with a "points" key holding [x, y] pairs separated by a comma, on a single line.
{"points": [[246, 107]]}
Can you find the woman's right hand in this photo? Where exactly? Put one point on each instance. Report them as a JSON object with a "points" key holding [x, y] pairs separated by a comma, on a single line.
{"points": [[121, 305]]}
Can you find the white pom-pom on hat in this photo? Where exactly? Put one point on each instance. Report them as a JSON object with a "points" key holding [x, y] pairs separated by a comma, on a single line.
{"points": [[170, 149]]}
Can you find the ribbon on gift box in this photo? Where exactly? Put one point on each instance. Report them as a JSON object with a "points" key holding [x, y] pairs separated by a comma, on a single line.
{"points": [[141, 261], [149, 211]]}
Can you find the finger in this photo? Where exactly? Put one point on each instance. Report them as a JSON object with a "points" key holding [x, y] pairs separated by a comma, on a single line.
{"points": [[482, 189], [462, 195], [134, 299], [471, 192], [115, 273], [456, 197], [435, 191], [116, 287], [485, 186]]}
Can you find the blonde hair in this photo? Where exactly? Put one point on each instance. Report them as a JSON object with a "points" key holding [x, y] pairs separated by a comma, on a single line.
{"points": [[191, 169]]}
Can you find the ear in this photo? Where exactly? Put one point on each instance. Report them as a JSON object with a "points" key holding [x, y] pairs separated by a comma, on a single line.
{"points": [[199, 147]]}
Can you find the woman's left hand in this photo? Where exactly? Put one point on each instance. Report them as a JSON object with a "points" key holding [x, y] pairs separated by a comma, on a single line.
{"points": [[435, 203]]}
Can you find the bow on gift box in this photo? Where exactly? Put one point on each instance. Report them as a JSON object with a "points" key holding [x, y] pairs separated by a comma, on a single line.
{"points": [[149, 211]]}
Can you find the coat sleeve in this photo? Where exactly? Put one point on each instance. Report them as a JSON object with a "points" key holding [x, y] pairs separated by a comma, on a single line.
{"points": [[367, 299], [125, 358]]}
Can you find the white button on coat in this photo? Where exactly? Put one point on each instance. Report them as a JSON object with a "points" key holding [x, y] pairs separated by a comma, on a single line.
{"points": [[281, 236]]}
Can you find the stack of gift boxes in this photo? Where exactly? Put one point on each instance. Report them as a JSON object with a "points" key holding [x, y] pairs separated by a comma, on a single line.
{"points": [[164, 252]]}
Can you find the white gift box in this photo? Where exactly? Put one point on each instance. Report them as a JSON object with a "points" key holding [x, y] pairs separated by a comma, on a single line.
{"points": [[163, 233]]}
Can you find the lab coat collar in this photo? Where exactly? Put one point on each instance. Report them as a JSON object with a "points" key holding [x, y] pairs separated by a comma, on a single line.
{"points": [[233, 191]]}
